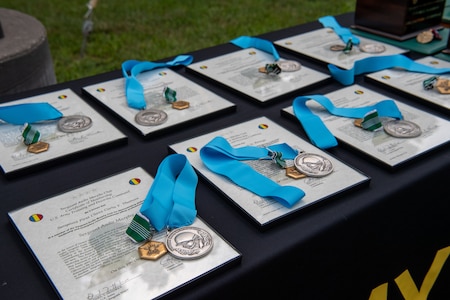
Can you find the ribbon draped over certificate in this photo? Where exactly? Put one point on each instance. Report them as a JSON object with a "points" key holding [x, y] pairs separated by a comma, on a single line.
{"points": [[20, 114], [134, 91], [377, 63], [170, 202], [254, 42], [221, 158], [344, 33], [315, 128]]}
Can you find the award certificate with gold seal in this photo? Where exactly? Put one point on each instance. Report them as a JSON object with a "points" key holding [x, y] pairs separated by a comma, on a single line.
{"points": [[319, 44], [390, 150], [263, 132], [411, 83], [240, 70], [79, 240], [203, 103], [81, 128]]}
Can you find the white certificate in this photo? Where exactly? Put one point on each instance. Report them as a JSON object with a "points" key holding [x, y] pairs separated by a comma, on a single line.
{"points": [[412, 82], [14, 156], [317, 44], [202, 102], [240, 71], [263, 132], [389, 150], [79, 240]]}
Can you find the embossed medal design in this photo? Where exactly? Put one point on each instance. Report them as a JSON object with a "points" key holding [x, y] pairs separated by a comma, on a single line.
{"points": [[75, 123], [313, 165], [189, 242], [402, 129], [289, 65], [372, 48], [151, 117]]}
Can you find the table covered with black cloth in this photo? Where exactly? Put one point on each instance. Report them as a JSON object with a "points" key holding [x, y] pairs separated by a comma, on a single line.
{"points": [[338, 249]]}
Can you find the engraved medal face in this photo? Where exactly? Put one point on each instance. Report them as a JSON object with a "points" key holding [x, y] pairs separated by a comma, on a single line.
{"points": [[289, 65], [74, 123], [38, 147], [313, 165], [372, 48], [402, 129], [151, 117], [425, 37], [189, 242], [337, 47]]}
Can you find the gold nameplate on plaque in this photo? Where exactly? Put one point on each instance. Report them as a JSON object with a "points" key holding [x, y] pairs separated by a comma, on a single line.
{"points": [[152, 250], [181, 104], [38, 147]]}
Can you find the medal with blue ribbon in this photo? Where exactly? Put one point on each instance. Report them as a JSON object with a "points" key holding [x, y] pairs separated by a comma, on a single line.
{"points": [[134, 91], [221, 158], [170, 202]]}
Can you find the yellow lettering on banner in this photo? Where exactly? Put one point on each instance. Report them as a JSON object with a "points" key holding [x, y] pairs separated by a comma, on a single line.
{"points": [[380, 292], [406, 284], [409, 289]]}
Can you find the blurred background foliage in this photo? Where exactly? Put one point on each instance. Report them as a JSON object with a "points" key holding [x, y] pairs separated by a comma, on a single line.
{"points": [[153, 30]]}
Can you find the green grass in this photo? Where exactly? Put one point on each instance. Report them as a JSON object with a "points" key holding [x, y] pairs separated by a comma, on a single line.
{"points": [[153, 30]]}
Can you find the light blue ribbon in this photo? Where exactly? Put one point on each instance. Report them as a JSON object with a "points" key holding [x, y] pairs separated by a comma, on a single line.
{"points": [[344, 33], [20, 114], [377, 63], [170, 202], [315, 128], [258, 43], [134, 91], [221, 158]]}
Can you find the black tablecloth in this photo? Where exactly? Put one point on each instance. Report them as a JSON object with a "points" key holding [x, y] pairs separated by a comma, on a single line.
{"points": [[342, 248]]}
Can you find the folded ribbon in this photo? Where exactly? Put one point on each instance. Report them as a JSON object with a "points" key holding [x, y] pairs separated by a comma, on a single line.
{"points": [[258, 43], [134, 91], [170, 201], [344, 33], [377, 63], [221, 158], [315, 128], [20, 114]]}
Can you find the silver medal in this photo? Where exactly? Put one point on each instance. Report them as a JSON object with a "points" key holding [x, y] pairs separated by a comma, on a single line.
{"points": [[74, 123], [151, 117], [402, 129], [313, 165], [289, 65], [189, 242], [372, 48]]}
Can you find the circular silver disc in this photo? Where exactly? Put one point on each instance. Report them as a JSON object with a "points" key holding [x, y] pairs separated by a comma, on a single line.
{"points": [[337, 47], [402, 129], [313, 165], [289, 65], [151, 117], [189, 242], [372, 48], [74, 123]]}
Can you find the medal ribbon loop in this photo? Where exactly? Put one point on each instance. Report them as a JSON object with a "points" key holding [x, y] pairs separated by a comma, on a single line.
{"points": [[377, 63], [20, 114], [316, 130], [134, 91], [170, 201], [344, 33], [258, 43], [221, 158]]}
